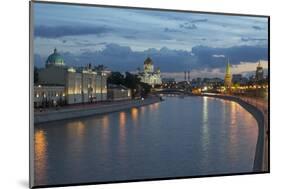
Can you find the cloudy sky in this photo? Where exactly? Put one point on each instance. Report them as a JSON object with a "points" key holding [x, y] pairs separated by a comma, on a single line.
{"points": [[122, 38]]}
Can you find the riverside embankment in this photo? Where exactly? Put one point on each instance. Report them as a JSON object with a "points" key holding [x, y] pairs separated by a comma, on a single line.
{"points": [[89, 110], [260, 154]]}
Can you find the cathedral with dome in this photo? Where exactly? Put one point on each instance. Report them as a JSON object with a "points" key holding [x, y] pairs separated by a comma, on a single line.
{"points": [[148, 75], [60, 84]]}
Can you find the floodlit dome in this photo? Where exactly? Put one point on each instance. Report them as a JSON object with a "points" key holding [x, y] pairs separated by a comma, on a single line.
{"points": [[55, 59], [148, 61]]}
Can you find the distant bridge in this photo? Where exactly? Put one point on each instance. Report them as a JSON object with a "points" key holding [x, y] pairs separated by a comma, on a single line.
{"points": [[170, 91]]}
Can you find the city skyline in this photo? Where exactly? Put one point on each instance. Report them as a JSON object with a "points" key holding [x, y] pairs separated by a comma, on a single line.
{"points": [[122, 38]]}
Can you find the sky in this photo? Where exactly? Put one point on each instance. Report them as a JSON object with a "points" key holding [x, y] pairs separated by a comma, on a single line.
{"points": [[121, 39]]}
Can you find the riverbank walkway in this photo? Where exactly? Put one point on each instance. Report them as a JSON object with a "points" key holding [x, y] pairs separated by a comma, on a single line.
{"points": [[82, 110]]}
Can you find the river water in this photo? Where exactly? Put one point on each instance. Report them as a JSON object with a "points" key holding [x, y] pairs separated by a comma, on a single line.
{"points": [[178, 137]]}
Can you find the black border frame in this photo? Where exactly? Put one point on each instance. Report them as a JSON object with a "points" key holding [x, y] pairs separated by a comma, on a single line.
{"points": [[31, 37]]}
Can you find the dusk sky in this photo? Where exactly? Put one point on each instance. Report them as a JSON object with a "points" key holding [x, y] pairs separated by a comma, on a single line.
{"points": [[122, 38]]}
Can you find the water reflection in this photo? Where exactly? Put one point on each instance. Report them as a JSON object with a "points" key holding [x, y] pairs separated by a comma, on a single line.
{"points": [[207, 136], [233, 130], [105, 131], [122, 130], [122, 119], [205, 127], [76, 131], [233, 113], [134, 114], [205, 111], [75, 143], [142, 110], [154, 107], [40, 147]]}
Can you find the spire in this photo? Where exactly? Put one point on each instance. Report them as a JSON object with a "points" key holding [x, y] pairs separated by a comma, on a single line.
{"points": [[259, 65], [227, 78], [55, 50], [227, 71]]}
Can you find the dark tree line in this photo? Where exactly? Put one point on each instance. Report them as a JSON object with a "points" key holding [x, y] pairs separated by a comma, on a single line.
{"points": [[130, 81], [35, 75]]}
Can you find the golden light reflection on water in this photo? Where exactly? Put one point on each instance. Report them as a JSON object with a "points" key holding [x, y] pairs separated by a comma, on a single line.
{"points": [[76, 132], [154, 107], [40, 147], [105, 125], [122, 128], [76, 129], [105, 130], [233, 129], [233, 113], [122, 119], [134, 114]]}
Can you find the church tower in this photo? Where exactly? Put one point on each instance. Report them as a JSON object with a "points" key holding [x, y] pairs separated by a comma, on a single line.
{"points": [[148, 65], [259, 72], [227, 77]]}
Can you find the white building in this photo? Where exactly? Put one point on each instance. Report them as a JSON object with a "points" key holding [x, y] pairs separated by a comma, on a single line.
{"points": [[148, 75], [80, 85]]}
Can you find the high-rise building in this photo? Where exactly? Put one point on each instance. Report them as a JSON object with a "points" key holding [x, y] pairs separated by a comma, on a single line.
{"points": [[259, 72], [227, 77]]}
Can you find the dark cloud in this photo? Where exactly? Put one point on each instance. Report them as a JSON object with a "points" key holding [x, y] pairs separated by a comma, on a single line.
{"points": [[257, 27], [130, 36], [171, 30], [60, 31], [246, 39], [188, 26], [88, 43], [123, 58], [199, 20]]}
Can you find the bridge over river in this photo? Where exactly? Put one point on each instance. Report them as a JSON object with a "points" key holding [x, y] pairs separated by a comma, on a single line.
{"points": [[171, 91]]}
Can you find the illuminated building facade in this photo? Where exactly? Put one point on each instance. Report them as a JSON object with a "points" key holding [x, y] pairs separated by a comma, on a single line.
{"points": [[148, 75], [49, 95], [80, 85]]}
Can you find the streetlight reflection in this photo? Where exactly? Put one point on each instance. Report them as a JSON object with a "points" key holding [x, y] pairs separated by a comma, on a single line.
{"points": [[205, 126], [40, 147], [134, 113]]}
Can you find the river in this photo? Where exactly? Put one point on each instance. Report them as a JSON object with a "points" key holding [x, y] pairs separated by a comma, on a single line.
{"points": [[191, 136]]}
